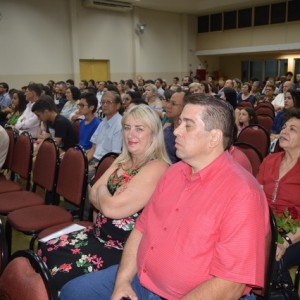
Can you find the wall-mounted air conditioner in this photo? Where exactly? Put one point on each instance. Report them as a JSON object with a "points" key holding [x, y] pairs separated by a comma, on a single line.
{"points": [[108, 5]]}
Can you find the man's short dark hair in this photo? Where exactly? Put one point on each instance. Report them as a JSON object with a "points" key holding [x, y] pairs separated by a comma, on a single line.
{"points": [[45, 102], [91, 99], [70, 81], [217, 115], [36, 88]]}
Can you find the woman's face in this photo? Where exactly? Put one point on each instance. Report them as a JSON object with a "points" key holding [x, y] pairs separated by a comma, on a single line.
{"points": [[69, 95], [288, 101], [149, 93], [137, 136], [126, 100], [290, 134], [15, 101], [244, 117], [245, 89]]}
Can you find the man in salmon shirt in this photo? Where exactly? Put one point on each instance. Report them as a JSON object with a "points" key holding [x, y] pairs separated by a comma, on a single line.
{"points": [[203, 233]]}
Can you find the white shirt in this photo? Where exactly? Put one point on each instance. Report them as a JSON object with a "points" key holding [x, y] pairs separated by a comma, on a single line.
{"points": [[28, 121], [279, 100]]}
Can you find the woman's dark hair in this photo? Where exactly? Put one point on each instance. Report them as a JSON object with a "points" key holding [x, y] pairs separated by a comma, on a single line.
{"points": [[252, 115], [91, 100], [22, 101], [75, 92], [231, 96], [134, 95], [292, 113], [296, 97]]}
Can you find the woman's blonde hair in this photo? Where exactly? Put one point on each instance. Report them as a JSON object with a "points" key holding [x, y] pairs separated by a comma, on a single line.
{"points": [[150, 119]]}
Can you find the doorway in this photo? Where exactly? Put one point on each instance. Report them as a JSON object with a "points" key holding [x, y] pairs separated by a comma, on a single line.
{"points": [[94, 69]]}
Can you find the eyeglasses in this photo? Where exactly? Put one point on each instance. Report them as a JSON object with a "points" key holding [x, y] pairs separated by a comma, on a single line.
{"points": [[125, 100], [82, 105], [107, 102], [268, 90], [173, 103]]}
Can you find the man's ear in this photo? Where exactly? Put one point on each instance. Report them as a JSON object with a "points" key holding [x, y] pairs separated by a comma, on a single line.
{"points": [[216, 137]]}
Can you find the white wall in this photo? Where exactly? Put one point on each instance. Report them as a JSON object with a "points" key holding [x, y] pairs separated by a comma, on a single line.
{"points": [[42, 40]]}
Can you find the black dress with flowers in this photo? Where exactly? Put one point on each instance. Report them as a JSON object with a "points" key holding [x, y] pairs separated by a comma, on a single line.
{"points": [[93, 248]]}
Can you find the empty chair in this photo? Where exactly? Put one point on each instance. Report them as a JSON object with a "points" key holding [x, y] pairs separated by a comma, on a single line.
{"points": [[253, 155], [71, 184], [102, 166], [265, 121], [244, 104], [21, 164], [257, 136], [27, 277], [44, 176]]}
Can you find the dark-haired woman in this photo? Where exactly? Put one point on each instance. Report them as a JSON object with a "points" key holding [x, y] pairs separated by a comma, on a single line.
{"points": [[73, 95], [17, 108]]}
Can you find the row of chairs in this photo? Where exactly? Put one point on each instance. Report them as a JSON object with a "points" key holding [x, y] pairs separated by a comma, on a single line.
{"points": [[28, 211]]}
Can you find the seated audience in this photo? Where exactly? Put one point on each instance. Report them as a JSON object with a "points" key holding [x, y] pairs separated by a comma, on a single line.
{"points": [[73, 96], [291, 100], [59, 127], [28, 120], [246, 117], [119, 196], [196, 238], [268, 93], [279, 175], [87, 108], [174, 107], [108, 135], [245, 95], [18, 106], [151, 96], [278, 102]]}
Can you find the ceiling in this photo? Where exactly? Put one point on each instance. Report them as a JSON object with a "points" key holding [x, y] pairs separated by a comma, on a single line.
{"points": [[199, 7]]}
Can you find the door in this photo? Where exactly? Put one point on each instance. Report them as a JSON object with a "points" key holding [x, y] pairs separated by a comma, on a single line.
{"points": [[94, 69]]}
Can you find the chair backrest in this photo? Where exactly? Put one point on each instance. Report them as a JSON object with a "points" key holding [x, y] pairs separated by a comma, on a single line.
{"points": [[72, 177], [265, 110], [244, 104], [257, 136], [27, 277], [75, 125], [265, 104], [253, 155], [46, 165], [12, 134], [265, 121], [104, 163], [271, 246], [3, 249], [22, 157]]}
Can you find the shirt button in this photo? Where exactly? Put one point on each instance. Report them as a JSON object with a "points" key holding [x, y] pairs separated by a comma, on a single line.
{"points": [[151, 247], [165, 228], [177, 209], [144, 270]]}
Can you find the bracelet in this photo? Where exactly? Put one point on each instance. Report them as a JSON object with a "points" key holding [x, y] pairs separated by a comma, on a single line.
{"points": [[288, 239]]}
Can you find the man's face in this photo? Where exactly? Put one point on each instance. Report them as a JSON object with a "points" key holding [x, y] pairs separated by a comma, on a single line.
{"points": [[192, 139], [101, 86], [157, 84], [228, 83], [42, 116], [185, 80], [84, 108], [174, 106], [109, 107], [2, 90], [30, 95]]}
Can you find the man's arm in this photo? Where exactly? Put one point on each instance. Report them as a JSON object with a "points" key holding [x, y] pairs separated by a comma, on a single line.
{"points": [[216, 289], [90, 152], [128, 268]]}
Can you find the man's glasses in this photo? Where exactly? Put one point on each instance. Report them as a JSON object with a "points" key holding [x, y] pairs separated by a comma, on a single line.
{"points": [[82, 105], [173, 103], [107, 102]]}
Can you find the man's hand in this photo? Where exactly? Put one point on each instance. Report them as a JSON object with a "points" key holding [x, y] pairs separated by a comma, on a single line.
{"points": [[124, 291]]}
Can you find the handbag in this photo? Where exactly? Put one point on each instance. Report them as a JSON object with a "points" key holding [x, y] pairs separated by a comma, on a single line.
{"points": [[281, 289]]}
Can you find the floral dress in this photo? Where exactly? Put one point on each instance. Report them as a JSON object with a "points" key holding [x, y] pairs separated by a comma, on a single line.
{"points": [[93, 248]]}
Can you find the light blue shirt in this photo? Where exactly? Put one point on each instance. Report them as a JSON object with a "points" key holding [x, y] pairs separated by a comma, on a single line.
{"points": [[5, 100], [108, 136]]}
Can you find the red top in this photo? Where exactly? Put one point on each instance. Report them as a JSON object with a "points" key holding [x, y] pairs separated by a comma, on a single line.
{"points": [[284, 193], [197, 226]]}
